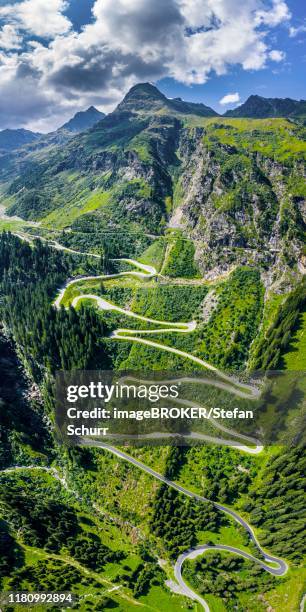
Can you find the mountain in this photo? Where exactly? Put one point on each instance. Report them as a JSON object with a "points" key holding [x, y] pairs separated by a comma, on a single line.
{"points": [[27, 143], [14, 139], [83, 120], [145, 97], [258, 107], [217, 206], [235, 188], [192, 108]]}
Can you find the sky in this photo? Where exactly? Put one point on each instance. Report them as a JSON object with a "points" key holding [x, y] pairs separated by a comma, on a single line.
{"points": [[61, 56]]}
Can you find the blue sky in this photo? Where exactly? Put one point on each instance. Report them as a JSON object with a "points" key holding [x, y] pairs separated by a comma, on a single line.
{"points": [[287, 79], [60, 56]]}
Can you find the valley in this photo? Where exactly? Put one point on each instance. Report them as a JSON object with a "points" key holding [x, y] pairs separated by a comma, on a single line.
{"points": [[164, 238]]}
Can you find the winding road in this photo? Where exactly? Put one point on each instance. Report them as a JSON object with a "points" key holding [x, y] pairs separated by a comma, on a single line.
{"points": [[200, 550], [132, 335], [278, 566], [270, 563]]}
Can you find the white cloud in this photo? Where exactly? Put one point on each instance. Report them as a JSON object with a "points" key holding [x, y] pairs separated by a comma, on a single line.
{"points": [[296, 31], [40, 17], [9, 38], [276, 55], [130, 41], [276, 15], [230, 99]]}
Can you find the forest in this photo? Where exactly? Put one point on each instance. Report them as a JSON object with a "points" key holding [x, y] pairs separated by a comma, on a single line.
{"points": [[268, 492], [227, 576], [49, 339], [269, 351]]}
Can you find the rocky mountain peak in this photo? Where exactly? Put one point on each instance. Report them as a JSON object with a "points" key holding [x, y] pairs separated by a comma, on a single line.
{"points": [[145, 97], [83, 120]]}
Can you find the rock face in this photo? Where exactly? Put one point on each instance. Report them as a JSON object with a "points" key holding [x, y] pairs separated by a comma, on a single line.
{"points": [[208, 305], [237, 205], [235, 187]]}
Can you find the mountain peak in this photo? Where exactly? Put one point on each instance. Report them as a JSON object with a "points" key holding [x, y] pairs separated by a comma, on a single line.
{"points": [[11, 139], [258, 107], [145, 89], [83, 120], [146, 97], [143, 96]]}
